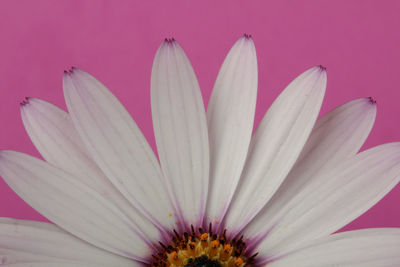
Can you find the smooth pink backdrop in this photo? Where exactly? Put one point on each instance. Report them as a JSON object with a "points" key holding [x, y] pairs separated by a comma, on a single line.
{"points": [[358, 42]]}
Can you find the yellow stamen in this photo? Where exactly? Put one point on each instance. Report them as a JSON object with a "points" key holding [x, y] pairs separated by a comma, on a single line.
{"points": [[192, 245], [214, 244], [204, 237], [227, 248], [174, 255], [186, 248], [238, 262]]}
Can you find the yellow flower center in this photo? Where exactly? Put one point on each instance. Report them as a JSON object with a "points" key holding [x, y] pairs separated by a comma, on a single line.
{"points": [[202, 248]]}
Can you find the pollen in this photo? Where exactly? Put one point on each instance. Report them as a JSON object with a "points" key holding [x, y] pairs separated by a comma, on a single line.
{"points": [[227, 248], [214, 244], [204, 237], [174, 256], [238, 262], [202, 248]]}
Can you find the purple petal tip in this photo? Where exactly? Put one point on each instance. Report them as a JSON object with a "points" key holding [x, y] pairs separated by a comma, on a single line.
{"points": [[70, 71], [24, 102], [169, 40], [322, 68], [247, 36], [372, 100]]}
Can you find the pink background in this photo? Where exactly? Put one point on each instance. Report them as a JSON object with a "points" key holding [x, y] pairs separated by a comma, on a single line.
{"points": [[358, 42]]}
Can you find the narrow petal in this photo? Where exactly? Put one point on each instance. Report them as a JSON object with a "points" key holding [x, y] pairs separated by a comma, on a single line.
{"points": [[336, 136], [276, 144], [53, 133], [180, 129], [369, 247], [28, 241], [327, 204], [230, 116], [117, 146], [75, 207]]}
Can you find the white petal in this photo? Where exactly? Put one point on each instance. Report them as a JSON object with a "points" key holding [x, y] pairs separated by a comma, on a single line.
{"points": [[230, 116], [53, 133], [339, 196], [180, 129], [369, 247], [28, 241], [276, 144], [117, 146], [75, 207], [51, 264], [336, 136]]}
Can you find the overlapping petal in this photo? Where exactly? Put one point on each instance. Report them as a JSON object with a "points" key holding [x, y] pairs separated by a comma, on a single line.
{"points": [[330, 202], [28, 241], [117, 146], [362, 248], [276, 144], [336, 136], [230, 116], [180, 128], [54, 135], [76, 207]]}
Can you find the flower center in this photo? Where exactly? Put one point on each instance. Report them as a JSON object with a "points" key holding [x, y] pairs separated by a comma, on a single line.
{"points": [[202, 249]]}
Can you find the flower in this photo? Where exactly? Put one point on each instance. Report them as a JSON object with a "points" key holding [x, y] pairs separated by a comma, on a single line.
{"points": [[220, 195]]}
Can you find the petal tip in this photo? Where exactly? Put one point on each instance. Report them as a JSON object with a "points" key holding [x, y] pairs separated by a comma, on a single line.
{"points": [[25, 102], [247, 36], [70, 71], [67, 72], [169, 41], [371, 100], [321, 68], [247, 39]]}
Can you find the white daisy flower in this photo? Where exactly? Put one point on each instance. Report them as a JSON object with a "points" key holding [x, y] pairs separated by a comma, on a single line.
{"points": [[220, 196]]}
